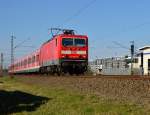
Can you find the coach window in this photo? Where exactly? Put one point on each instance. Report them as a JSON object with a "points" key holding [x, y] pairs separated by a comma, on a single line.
{"points": [[29, 60], [23, 62], [33, 59], [37, 58], [26, 62]]}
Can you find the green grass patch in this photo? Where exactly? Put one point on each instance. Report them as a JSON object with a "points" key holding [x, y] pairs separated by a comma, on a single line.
{"points": [[26, 99]]}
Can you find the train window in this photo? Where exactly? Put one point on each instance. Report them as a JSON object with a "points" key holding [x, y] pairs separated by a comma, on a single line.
{"points": [[21, 63], [67, 42], [29, 60], [33, 59], [79, 42], [37, 58], [24, 63]]}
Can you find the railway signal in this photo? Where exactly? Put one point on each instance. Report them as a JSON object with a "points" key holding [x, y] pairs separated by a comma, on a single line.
{"points": [[132, 56]]}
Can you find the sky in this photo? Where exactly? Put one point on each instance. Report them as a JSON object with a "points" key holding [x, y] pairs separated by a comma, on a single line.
{"points": [[103, 21]]}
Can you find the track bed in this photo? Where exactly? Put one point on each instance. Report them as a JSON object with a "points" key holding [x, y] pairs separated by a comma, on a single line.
{"points": [[131, 88]]}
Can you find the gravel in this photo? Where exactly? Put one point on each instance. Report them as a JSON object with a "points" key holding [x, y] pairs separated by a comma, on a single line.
{"points": [[132, 90]]}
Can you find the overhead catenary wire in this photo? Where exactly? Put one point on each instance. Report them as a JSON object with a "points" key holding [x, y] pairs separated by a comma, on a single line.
{"points": [[120, 45], [124, 47], [21, 43], [86, 6]]}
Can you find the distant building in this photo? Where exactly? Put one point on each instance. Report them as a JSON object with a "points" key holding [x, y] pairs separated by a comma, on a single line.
{"points": [[143, 62], [111, 66], [122, 65]]}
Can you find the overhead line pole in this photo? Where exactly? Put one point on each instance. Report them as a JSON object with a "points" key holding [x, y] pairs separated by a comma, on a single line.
{"points": [[12, 53], [13, 48], [1, 65]]}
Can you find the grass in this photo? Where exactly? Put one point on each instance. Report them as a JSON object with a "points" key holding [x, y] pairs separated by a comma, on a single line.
{"points": [[40, 100]]}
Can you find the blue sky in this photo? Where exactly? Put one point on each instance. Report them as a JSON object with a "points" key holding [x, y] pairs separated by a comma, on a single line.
{"points": [[104, 21]]}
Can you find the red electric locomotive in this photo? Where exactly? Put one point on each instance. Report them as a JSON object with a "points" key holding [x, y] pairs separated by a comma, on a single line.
{"points": [[64, 53]]}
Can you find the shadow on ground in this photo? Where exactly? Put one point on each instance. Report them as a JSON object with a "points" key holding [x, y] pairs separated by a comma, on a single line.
{"points": [[17, 101]]}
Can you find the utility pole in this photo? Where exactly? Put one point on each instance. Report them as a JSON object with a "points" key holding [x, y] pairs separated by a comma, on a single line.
{"points": [[1, 65], [132, 56], [12, 53]]}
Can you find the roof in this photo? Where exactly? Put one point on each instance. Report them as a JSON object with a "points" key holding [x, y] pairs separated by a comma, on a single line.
{"points": [[144, 48]]}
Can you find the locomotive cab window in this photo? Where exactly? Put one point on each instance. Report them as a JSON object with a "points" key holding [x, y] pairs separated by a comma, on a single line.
{"points": [[79, 42], [73, 42], [67, 42]]}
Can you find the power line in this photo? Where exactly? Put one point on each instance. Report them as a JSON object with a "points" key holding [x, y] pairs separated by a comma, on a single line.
{"points": [[120, 45], [21, 43], [79, 12], [131, 28], [135, 27]]}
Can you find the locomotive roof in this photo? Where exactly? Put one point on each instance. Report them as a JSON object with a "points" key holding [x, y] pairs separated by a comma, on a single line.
{"points": [[61, 35]]}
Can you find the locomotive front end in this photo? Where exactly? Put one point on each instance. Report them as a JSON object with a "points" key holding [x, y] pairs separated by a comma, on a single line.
{"points": [[74, 54]]}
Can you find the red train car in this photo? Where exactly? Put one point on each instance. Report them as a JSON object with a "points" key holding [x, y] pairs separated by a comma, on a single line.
{"points": [[64, 53]]}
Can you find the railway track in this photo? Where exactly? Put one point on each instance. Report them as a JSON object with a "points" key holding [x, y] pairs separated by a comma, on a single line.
{"points": [[132, 88], [119, 77]]}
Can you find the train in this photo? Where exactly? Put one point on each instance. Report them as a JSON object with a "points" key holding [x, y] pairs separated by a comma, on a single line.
{"points": [[65, 52]]}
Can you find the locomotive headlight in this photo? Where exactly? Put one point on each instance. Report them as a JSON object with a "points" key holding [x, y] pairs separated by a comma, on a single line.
{"points": [[81, 52], [65, 51]]}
